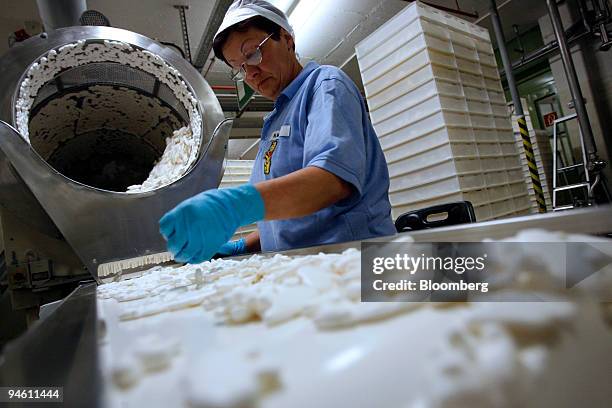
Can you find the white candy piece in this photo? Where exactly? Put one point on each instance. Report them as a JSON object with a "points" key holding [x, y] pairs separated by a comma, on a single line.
{"points": [[125, 372], [155, 353], [261, 309], [220, 379]]}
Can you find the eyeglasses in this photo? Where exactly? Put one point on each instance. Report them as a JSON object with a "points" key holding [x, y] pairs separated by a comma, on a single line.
{"points": [[253, 58]]}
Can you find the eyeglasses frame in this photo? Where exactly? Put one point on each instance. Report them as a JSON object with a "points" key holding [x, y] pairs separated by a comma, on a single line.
{"points": [[240, 73]]}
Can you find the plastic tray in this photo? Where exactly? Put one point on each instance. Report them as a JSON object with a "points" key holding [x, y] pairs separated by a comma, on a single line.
{"points": [[436, 172], [412, 97], [391, 45], [477, 197], [404, 55], [438, 188], [373, 84], [235, 178]]}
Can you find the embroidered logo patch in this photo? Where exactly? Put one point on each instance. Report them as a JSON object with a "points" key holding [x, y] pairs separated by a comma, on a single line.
{"points": [[268, 157]]}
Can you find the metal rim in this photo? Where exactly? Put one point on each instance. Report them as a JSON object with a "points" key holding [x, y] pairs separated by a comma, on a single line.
{"points": [[211, 115]]}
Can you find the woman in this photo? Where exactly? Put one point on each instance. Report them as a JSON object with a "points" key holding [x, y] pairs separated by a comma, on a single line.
{"points": [[320, 176]]}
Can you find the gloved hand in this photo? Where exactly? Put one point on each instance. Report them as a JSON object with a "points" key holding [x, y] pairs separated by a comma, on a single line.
{"points": [[232, 248], [196, 228]]}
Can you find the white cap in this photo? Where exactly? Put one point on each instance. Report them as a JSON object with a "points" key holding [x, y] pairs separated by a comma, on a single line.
{"points": [[242, 10]]}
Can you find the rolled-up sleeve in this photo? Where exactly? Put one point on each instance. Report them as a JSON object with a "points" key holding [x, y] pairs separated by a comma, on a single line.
{"points": [[334, 138]]}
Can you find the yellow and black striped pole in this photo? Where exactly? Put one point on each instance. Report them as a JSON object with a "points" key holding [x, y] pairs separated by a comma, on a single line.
{"points": [[518, 107], [531, 163]]}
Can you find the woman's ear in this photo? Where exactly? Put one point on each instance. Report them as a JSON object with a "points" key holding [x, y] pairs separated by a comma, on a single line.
{"points": [[290, 43]]}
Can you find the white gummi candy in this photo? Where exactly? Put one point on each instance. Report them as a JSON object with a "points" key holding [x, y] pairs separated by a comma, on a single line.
{"points": [[155, 353], [125, 372], [221, 379]]}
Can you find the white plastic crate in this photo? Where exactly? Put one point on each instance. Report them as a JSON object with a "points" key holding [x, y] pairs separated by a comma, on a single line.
{"points": [[402, 160], [411, 33], [423, 84], [430, 191], [236, 173], [424, 126], [426, 142], [436, 172], [237, 170], [438, 107], [396, 103], [459, 31], [236, 164]]}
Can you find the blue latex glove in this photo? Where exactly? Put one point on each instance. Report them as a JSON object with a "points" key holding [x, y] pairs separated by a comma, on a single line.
{"points": [[196, 228], [233, 248]]}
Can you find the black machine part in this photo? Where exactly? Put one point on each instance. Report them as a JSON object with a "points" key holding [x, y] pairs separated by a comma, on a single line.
{"points": [[443, 215]]}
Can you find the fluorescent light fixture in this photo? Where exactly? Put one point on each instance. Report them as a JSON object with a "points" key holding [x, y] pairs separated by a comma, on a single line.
{"points": [[298, 11], [302, 12], [302, 15]]}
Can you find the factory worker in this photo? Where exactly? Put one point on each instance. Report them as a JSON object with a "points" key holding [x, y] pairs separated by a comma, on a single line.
{"points": [[320, 176]]}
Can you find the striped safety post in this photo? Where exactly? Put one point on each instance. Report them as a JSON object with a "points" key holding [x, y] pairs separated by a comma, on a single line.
{"points": [[531, 163]]}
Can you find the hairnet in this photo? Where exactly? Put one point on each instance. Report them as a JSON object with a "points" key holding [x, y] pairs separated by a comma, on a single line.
{"points": [[242, 10]]}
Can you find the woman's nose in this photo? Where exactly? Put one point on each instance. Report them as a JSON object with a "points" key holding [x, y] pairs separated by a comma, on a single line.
{"points": [[252, 72]]}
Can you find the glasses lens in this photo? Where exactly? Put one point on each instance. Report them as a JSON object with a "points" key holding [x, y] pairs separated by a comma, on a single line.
{"points": [[254, 58]]}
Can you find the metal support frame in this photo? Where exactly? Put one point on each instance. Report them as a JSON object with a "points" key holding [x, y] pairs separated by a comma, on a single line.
{"points": [[205, 46], [586, 184], [602, 17], [518, 107], [184, 31], [572, 78], [546, 50], [593, 163], [517, 33]]}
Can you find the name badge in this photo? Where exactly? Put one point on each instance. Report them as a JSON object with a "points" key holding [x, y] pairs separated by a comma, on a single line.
{"points": [[284, 131]]}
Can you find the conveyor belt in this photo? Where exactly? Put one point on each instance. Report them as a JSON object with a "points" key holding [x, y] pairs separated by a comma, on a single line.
{"points": [[62, 349], [593, 221]]}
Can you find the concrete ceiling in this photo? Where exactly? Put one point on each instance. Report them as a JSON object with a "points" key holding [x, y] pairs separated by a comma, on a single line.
{"points": [[328, 35]]}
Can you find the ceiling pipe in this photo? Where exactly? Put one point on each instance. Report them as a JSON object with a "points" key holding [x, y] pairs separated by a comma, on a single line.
{"points": [[503, 52], [546, 50], [60, 13]]}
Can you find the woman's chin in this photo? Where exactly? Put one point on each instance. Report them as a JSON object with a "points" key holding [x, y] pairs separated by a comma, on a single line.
{"points": [[266, 89]]}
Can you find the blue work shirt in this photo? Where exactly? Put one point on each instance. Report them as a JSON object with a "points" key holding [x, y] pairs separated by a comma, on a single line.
{"points": [[320, 120]]}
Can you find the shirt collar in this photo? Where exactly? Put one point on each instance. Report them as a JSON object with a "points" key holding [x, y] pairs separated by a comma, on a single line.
{"points": [[289, 92]]}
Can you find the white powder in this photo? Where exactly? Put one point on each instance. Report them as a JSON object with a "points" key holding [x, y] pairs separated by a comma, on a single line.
{"points": [[183, 146]]}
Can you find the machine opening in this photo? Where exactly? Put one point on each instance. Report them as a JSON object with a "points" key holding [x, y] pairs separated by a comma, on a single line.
{"points": [[107, 136], [110, 116]]}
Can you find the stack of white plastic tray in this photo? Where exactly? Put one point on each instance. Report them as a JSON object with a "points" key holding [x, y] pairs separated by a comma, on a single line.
{"points": [[540, 142], [238, 172], [436, 102]]}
